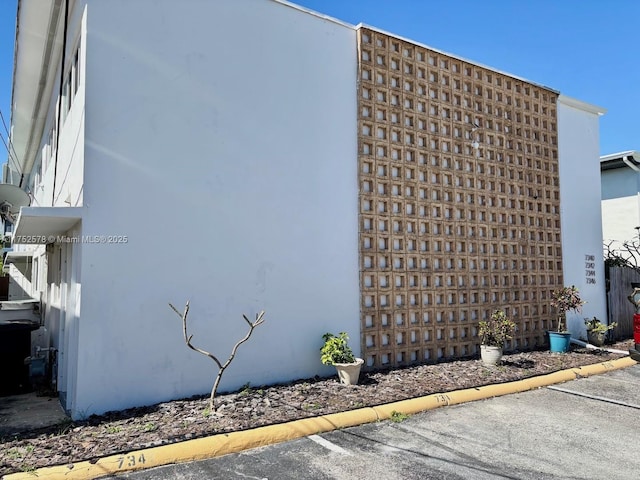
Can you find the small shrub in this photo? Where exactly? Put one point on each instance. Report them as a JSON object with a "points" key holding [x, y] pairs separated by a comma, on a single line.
{"points": [[336, 349], [495, 331], [596, 326], [564, 300]]}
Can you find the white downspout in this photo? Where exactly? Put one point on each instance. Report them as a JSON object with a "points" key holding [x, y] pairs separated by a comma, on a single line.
{"points": [[627, 159], [593, 347]]}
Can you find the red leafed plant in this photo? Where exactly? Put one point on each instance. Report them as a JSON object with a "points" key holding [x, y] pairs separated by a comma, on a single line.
{"points": [[564, 300]]}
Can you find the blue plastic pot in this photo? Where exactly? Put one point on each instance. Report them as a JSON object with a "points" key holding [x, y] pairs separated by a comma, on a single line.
{"points": [[559, 342]]}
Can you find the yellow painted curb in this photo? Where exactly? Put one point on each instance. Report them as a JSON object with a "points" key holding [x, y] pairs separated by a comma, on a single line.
{"points": [[223, 444]]}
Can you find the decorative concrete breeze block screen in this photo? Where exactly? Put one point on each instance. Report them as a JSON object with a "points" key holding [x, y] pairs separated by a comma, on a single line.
{"points": [[459, 203]]}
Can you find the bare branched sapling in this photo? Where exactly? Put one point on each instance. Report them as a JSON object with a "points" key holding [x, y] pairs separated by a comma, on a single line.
{"points": [[221, 366], [623, 254]]}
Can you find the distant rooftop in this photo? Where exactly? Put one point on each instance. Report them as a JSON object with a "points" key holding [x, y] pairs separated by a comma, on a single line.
{"points": [[629, 159]]}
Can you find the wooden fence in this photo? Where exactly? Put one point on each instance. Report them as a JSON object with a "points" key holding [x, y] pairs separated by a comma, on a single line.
{"points": [[620, 309]]}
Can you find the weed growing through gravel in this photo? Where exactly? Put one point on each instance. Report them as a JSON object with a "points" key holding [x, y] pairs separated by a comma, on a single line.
{"points": [[14, 454], [245, 390], [64, 427], [17, 453], [28, 467], [149, 427], [20, 454]]}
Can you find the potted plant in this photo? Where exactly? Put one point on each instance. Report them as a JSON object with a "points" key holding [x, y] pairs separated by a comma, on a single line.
{"points": [[597, 331], [337, 352], [493, 333], [564, 300]]}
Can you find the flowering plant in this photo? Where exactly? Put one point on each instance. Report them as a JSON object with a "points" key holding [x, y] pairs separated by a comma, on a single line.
{"points": [[564, 300]]}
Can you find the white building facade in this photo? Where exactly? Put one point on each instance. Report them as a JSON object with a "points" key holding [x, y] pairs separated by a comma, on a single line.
{"points": [[620, 181], [578, 147], [207, 153]]}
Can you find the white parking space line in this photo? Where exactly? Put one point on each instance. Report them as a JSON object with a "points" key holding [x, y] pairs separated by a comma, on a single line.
{"points": [[593, 397], [328, 445]]}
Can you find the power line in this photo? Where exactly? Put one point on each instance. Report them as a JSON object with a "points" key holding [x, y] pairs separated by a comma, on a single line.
{"points": [[10, 158], [10, 148]]}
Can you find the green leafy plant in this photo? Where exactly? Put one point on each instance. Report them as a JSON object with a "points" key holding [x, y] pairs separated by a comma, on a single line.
{"points": [[149, 427], [596, 326], [64, 426], [113, 429], [495, 331], [398, 417], [336, 349], [14, 454], [28, 468], [245, 390], [564, 300]]}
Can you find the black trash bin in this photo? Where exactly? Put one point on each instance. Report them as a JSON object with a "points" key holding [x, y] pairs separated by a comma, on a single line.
{"points": [[15, 346]]}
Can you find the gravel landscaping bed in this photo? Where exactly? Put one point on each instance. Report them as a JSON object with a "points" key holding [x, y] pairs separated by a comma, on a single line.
{"points": [[254, 406]]}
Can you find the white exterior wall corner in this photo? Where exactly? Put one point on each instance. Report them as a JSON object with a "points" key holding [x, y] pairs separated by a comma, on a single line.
{"points": [[61, 310], [220, 138], [581, 223]]}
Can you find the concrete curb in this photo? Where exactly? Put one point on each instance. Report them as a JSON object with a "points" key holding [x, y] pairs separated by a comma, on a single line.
{"points": [[222, 444]]}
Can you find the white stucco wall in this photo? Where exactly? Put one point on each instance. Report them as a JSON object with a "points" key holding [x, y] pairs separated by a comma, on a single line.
{"points": [[67, 165], [59, 281], [620, 204], [581, 223], [221, 141], [21, 279]]}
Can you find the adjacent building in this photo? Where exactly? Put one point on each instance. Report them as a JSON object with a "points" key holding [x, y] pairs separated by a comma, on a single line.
{"points": [[255, 155], [620, 177]]}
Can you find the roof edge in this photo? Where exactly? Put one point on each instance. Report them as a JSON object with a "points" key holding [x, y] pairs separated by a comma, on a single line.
{"points": [[579, 104], [315, 13], [614, 156], [457, 57]]}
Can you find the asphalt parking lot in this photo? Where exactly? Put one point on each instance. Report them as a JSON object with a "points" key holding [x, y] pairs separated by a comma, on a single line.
{"points": [[584, 429]]}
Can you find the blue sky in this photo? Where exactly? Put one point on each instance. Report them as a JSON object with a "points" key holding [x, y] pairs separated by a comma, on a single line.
{"points": [[586, 49]]}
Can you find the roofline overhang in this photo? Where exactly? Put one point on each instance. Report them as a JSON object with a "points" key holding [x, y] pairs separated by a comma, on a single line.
{"points": [[37, 46], [628, 159], [580, 105]]}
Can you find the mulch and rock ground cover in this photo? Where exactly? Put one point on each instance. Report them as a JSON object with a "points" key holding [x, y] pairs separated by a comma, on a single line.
{"points": [[254, 406]]}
